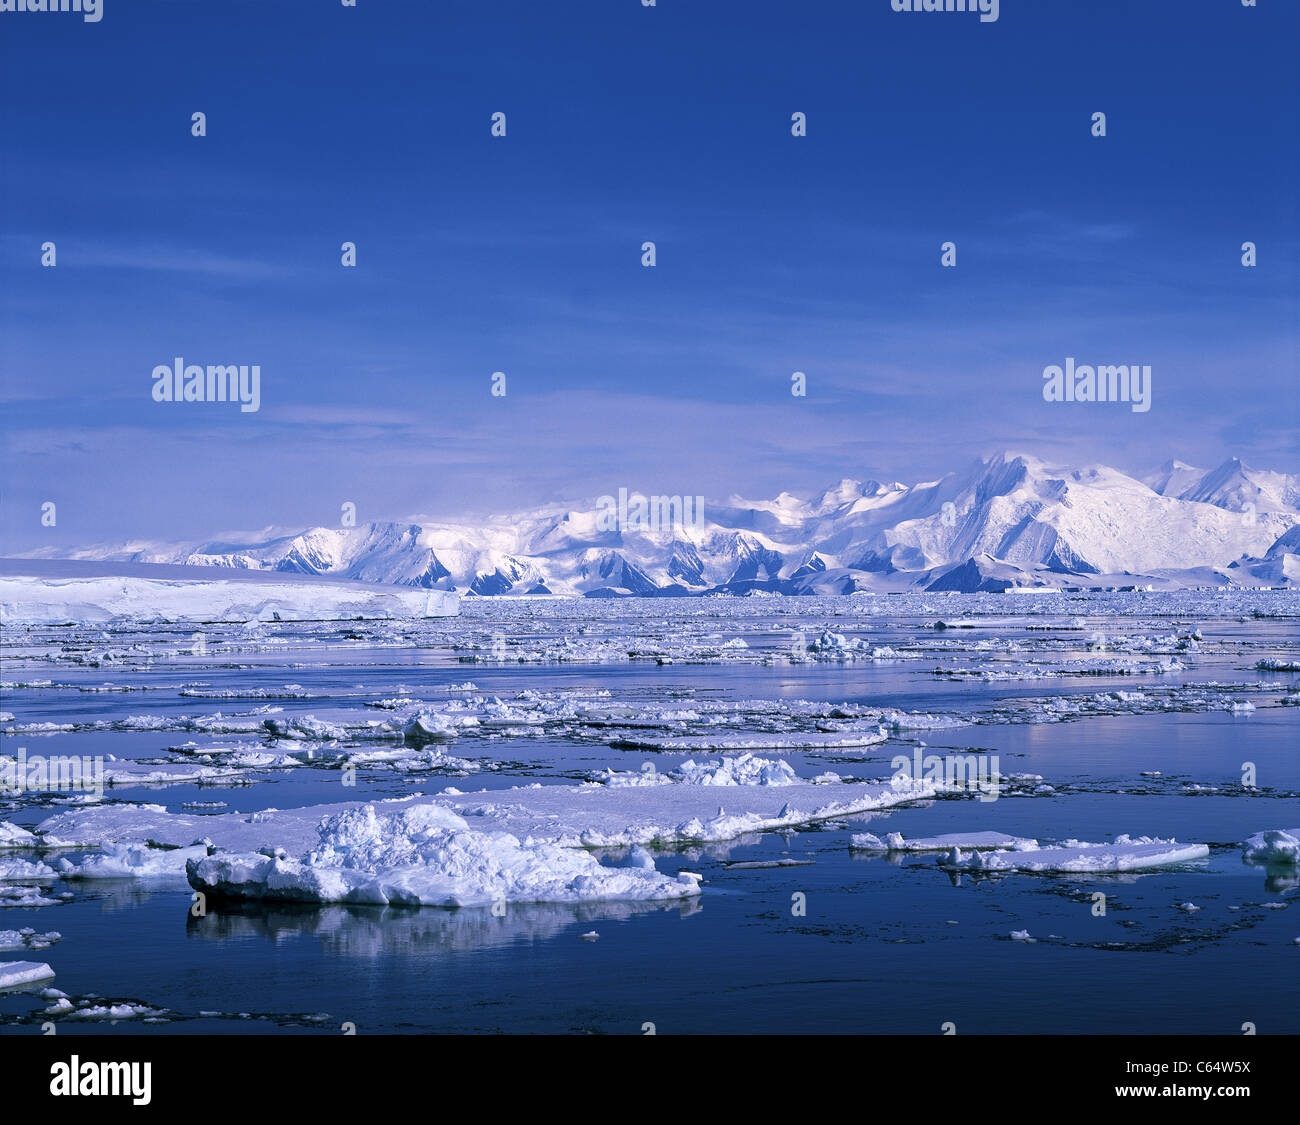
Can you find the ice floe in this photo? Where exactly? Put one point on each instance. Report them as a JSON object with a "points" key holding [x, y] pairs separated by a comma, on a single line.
{"points": [[19, 974], [1278, 846], [1074, 856], [428, 855], [521, 844], [27, 938], [966, 841]]}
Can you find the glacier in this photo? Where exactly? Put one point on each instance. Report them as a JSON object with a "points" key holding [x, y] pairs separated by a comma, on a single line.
{"points": [[1010, 522]]}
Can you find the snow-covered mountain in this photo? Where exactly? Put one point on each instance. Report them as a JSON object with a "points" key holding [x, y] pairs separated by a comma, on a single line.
{"points": [[1010, 521]]}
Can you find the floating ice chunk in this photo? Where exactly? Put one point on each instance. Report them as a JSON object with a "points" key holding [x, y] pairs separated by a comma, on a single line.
{"points": [[437, 759], [133, 861], [1074, 856], [971, 841], [88, 1009], [1022, 935], [14, 870], [428, 855], [18, 974], [304, 726], [15, 894], [731, 740], [744, 769], [903, 720], [27, 939], [1276, 846], [1190, 907], [126, 773], [829, 641], [427, 726], [518, 843], [591, 935], [12, 836]]}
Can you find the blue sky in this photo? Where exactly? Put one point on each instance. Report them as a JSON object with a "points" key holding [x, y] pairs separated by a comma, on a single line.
{"points": [[522, 254]]}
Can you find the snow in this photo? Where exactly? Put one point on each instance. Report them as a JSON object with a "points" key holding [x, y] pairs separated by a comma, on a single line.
{"points": [[132, 861], [847, 740], [426, 854], [12, 836], [1073, 856], [14, 870], [743, 769], [968, 841], [1276, 846], [1011, 521], [523, 844], [17, 974], [27, 938], [28, 597]]}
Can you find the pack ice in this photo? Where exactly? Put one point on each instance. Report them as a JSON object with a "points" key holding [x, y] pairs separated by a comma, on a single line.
{"points": [[518, 845], [46, 592]]}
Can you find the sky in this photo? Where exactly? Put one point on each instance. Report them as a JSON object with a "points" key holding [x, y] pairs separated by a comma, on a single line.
{"points": [[522, 253]]}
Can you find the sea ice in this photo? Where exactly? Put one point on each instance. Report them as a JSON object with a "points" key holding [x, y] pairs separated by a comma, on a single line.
{"points": [[1276, 846], [427, 855], [1074, 856], [17, 974], [969, 841]]}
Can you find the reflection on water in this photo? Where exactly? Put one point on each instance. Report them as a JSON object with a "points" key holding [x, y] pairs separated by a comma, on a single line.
{"points": [[372, 931]]}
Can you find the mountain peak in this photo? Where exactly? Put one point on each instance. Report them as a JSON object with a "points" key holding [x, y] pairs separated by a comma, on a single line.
{"points": [[1011, 509]]}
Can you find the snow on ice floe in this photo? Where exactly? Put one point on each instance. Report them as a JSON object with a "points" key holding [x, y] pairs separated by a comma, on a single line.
{"points": [[966, 841], [14, 870], [742, 769], [27, 938], [19, 974], [132, 861], [21, 894], [524, 844], [428, 855], [844, 740], [203, 597], [1272, 665], [1278, 846], [96, 1009], [12, 836], [1077, 857]]}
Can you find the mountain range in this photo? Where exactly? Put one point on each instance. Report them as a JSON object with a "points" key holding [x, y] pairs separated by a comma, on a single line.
{"points": [[1010, 521]]}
